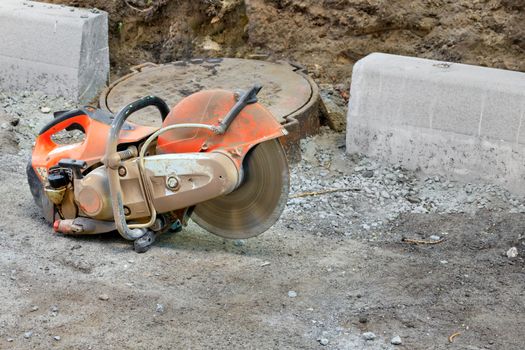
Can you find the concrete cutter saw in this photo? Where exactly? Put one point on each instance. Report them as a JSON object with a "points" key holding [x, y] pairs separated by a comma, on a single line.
{"points": [[216, 159]]}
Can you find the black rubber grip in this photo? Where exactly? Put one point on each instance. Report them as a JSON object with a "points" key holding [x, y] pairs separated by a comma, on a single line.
{"points": [[135, 106], [67, 115]]}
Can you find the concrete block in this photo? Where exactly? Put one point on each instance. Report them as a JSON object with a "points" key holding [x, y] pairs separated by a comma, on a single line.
{"points": [[55, 49], [443, 118]]}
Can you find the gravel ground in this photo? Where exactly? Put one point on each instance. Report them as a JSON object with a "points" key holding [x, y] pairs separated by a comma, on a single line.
{"points": [[369, 197], [337, 271]]}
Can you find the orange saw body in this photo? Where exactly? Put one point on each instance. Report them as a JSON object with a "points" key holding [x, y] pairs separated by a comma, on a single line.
{"points": [[216, 159]]}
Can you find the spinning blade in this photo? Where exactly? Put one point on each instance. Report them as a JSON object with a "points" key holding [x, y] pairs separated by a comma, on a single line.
{"points": [[257, 203]]}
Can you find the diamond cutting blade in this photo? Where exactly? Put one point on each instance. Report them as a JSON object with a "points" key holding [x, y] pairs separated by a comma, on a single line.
{"points": [[257, 203]]}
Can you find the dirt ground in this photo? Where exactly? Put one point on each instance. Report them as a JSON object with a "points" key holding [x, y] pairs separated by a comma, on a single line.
{"points": [[335, 266], [326, 36], [193, 290]]}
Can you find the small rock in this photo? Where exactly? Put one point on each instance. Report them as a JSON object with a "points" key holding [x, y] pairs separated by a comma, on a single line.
{"points": [[34, 308], [435, 238], [10, 340], [15, 122], [160, 308], [103, 297], [413, 199], [57, 337], [54, 309], [369, 336], [45, 110], [396, 340], [368, 173], [28, 334], [323, 341], [512, 252], [266, 263], [390, 176], [292, 294], [209, 45], [385, 194], [363, 319], [239, 242], [76, 246]]}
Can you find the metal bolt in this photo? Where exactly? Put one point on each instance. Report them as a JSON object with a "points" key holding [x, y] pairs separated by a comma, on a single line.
{"points": [[122, 171], [127, 211], [172, 183]]}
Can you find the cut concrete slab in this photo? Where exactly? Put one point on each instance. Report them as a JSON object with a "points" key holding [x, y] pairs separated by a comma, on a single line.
{"points": [[440, 117], [55, 49]]}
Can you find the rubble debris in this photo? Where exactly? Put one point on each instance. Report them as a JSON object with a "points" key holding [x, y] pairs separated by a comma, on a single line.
{"points": [[159, 309], [396, 340], [368, 336], [512, 252], [365, 211], [323, 341], [333, 107]]}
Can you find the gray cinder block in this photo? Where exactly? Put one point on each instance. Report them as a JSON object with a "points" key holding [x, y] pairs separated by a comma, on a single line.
{"points": [[55, 49], [443, 118]]}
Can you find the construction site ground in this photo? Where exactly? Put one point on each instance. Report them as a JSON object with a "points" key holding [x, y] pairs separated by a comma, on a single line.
{"points": [[342, 261]]}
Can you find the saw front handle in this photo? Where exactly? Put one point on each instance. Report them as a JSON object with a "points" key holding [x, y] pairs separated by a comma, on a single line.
{"points": [[113, 158]]}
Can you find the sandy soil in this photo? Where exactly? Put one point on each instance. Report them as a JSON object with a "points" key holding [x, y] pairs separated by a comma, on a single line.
{"points": [[194, 290]]}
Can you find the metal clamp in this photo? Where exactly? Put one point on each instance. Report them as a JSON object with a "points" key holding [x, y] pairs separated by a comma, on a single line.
{"points": [[112, 171]]}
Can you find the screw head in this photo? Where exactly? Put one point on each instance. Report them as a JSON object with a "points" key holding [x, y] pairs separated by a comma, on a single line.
{"points": [[122, 171], [127, 211], [172, 183]]}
